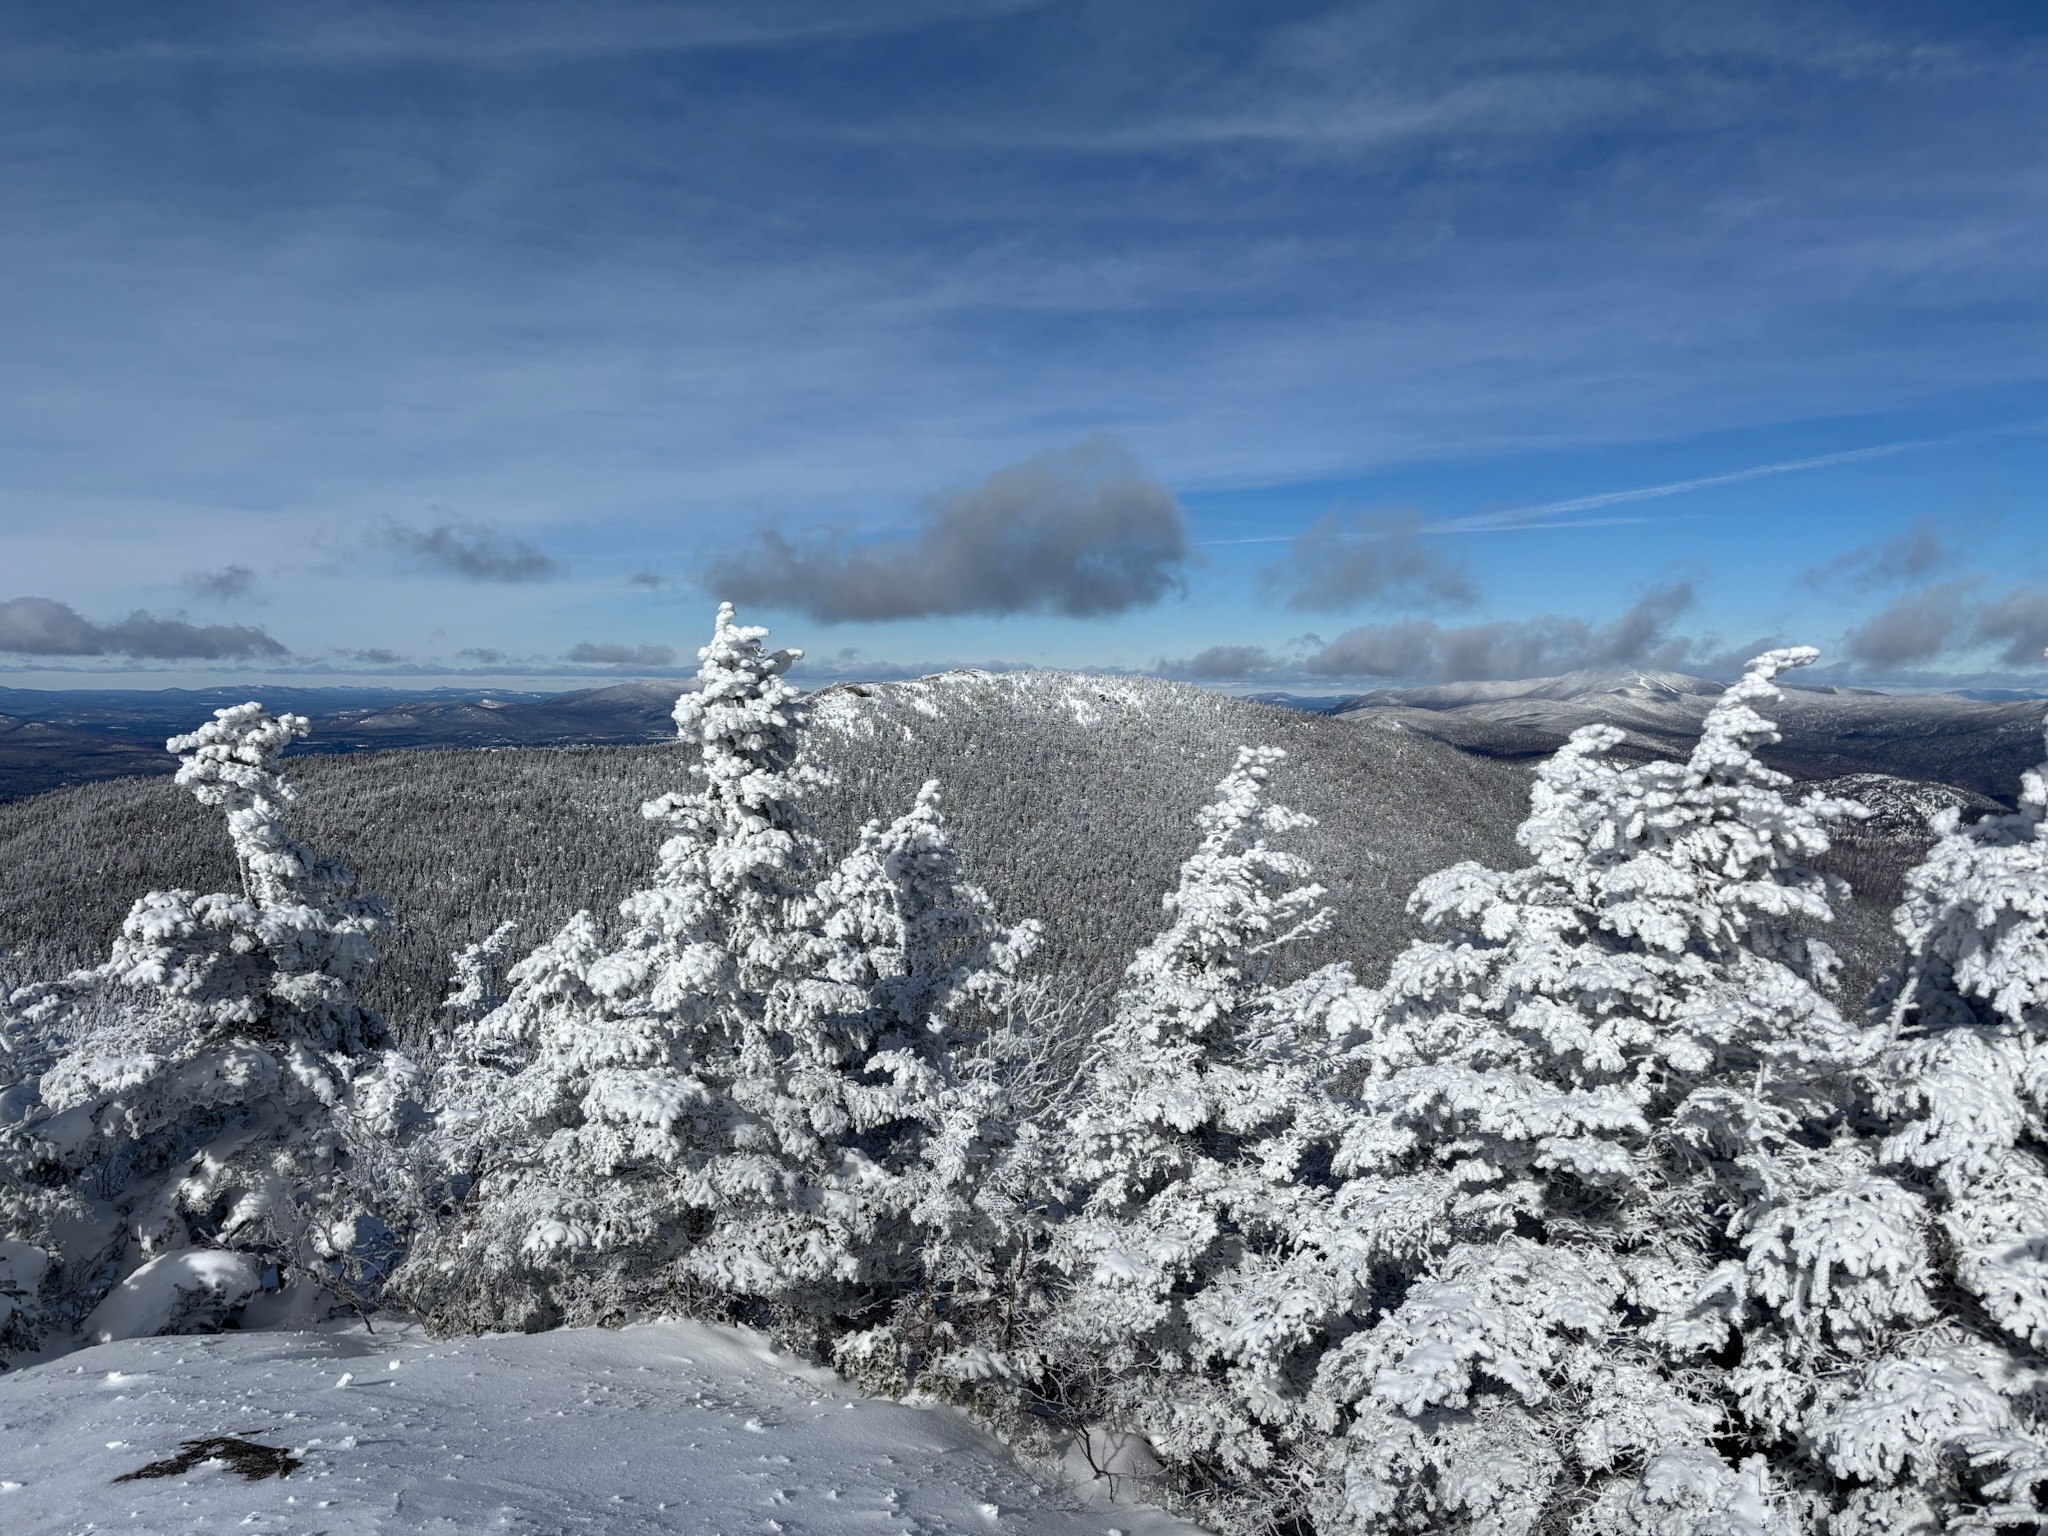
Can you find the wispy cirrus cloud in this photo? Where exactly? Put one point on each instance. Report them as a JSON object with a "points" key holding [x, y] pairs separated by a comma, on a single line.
{"points": [[378, 33], [473, 551], [1545, 513], [230, 583]]}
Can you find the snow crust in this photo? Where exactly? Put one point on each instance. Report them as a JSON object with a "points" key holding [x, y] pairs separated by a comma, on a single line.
{"points": [[671, 1426]]}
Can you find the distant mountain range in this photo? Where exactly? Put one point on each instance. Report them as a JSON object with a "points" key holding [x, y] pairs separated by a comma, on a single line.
{"points": [[1978, 744], [50, 739]]}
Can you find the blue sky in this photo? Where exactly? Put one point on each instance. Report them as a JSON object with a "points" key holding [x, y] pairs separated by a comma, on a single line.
{"points": [[1307, 346]]}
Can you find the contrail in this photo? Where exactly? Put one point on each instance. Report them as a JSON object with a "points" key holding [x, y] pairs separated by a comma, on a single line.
{"points": [[1537, 516], [1459, 526], [1681, 487]]}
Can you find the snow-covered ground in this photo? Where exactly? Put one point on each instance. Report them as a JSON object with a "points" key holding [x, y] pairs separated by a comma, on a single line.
{"points": [[656, 1427]]}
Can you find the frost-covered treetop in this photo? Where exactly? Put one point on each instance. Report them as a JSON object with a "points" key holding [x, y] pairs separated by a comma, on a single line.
{"points": [[742, 842], [1724, 813], [744, 713], [1733, 730], [1974, 923], [231, 762], [1235, 906], [292, 951], [1655, 951], [1733, 824], [230, 759], [902, 920], [1710, 851]]}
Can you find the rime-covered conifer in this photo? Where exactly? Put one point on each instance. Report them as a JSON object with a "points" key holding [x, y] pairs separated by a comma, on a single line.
{"points": [[1188, 1153], [985, 1200], [928, 1084], [1603, 1178], [1954, 1425], [845, 1071], [730, 1100], [603, 1101], [191, 1132], [476, 987]]}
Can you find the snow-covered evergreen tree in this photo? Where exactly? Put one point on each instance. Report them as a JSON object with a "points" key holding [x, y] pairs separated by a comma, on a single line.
{"points": [[189, 1133], [984, 1201], [590, 1104], [1954, 1425], [727, 1101], [1615, 1224], [902, 959], [38, 1211], [732, 1100], [476, 987], [923, 1096], [1193, 1148]]}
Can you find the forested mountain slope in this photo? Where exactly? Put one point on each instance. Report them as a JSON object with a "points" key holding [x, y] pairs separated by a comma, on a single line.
{"points": [[36, 755], [1073, 799]]}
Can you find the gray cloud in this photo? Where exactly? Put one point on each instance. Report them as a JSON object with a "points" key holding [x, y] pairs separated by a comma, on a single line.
{"points": [[648, 579], [1377, 557], [1507, 648], [1916, 627], [2019, 622], [483, 653], [41, 626], [1220, 662], [1080, 531], [225, 585], [474, 551], [146, 635], [376, 656], [1912, 556], [589, 654]]}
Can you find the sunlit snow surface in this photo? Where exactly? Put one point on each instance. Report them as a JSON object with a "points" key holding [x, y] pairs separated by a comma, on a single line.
{"points": [[658, 1427]]}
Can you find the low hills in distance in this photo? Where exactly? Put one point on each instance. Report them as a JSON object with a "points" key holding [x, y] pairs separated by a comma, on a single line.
{"points": [[49, 739], [1978, 744]]}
